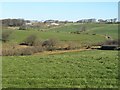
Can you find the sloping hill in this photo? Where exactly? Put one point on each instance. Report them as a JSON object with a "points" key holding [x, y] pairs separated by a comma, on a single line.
{"points": [[94, 33]]}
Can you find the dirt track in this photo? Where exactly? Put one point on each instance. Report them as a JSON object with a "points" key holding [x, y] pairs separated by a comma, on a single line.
{"points": [[59, 52]]}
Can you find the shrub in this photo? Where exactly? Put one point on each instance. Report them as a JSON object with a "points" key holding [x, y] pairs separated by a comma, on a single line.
{"points": [[36, 49], [26, 51], [112, 42], [30, 40], [22, 51], [49, 43], [5, 35], [37, 42], [23, 27], [17, 52], [6, 52]]}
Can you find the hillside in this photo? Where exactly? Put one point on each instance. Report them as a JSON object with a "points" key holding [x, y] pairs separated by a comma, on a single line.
{"points": [[62, 68], [94, 33]]}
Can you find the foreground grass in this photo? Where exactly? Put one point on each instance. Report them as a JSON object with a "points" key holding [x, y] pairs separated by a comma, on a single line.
{"points": [[93, 69]]}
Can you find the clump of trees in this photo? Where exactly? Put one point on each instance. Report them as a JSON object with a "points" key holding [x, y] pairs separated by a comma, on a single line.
{"points": [[14, 22], [49, 44]]}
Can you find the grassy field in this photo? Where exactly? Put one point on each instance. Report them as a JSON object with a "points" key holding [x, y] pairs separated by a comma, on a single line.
{"points": [[92, 68], [110, 30], [64, 33], [19, 36]]}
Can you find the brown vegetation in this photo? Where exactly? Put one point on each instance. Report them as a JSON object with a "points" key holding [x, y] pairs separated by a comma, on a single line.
{"points": [[33, 45], [20, 51]]}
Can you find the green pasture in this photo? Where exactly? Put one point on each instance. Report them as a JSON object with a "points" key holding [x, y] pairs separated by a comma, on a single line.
{"points": [[92, 69], [64, 34], [84, 69]]}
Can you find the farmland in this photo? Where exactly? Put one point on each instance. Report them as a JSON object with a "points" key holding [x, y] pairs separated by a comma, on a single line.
{"points": [[99, 29], [76, 70], [81, 69]]}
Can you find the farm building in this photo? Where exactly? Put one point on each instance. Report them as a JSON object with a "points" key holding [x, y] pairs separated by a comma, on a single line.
{"points": [[28, 23], [56, 24], [109, 47]]}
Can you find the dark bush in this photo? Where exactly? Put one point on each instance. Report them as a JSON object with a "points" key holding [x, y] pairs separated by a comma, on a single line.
{"points": [[94, 34]]}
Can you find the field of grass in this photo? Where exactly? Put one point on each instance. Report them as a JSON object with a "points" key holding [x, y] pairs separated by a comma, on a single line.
{"points": [[19, 36], [64, 33], [110, 30], [93, 69]]}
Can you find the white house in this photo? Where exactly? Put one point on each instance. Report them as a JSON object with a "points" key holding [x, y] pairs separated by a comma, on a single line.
{"points": [[56, 24], [28, 23]]}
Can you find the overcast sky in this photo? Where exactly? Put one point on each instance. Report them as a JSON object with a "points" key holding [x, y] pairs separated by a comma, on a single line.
{"points": [[59, 10]]}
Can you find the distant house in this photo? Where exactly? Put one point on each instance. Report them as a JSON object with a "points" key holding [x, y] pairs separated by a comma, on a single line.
{"points": [[50, 21], [28, 23], [55, 24]]}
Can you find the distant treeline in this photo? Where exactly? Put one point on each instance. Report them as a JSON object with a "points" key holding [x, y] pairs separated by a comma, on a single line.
{"points": [[14, 22], [22, 22], [114, 20]]}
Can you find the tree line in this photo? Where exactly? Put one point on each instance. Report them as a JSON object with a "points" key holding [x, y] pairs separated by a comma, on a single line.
{"points": [[14, 22]]}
